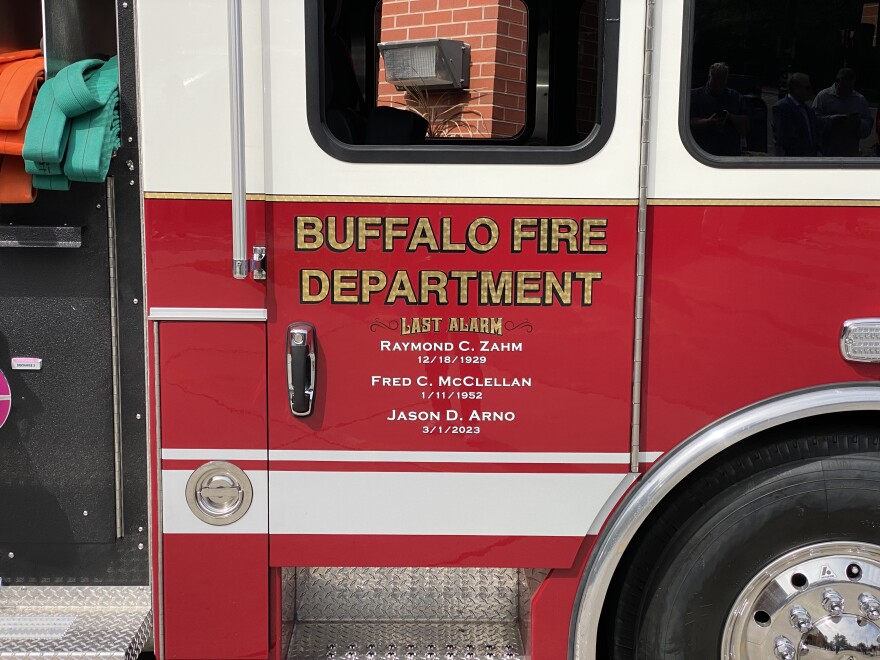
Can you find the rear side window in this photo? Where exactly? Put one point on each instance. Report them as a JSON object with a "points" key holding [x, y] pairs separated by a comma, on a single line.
{"points": [[483, 80], [794, 81]]}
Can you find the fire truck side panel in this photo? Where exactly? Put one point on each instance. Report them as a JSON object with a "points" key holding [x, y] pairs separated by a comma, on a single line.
{"points": [[454, 379], [753, 298], [189, 243], [205, 582], [213, 408], [184, 79], [213, 396]]}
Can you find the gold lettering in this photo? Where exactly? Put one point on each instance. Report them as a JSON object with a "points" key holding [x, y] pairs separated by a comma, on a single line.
{"points": [[587, 278], [554, 288], [446, 243], [494, 292], [523, 287], [372, 281], [367, 228], [523, 230], [307, 276], [333, 241], [391, 232], [463, 277], [401, 287], [308, 232], [344, 280], [423, 235], [432, 281], [587, 235], [568, 236], [473, 240]]}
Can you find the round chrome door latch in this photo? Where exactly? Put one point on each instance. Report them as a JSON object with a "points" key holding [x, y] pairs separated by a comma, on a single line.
{"points": [[219, 493]]}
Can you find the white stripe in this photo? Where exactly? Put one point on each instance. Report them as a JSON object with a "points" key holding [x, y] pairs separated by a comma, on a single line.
{"points": [[5, 397], [448, 457], [611, 502], [435, 503], [335, 456], [178, 519], [206, 314], [213, 454]]}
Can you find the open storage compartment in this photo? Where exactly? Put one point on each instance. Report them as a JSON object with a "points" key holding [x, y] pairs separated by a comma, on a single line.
{"points": [[73, 450]]}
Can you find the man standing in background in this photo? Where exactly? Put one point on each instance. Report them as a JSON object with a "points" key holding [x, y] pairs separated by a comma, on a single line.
{"points": [[844, 114]]}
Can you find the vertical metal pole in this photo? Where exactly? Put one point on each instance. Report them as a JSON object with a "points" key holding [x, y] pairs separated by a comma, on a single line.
{"points": [[240, 262]]}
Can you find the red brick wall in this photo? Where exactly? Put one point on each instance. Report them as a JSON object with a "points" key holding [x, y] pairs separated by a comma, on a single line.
{"points": [[869, 15], [495, 104]]}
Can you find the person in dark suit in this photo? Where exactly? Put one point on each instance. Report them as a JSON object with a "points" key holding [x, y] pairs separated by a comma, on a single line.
{"points": [[796, 130]]}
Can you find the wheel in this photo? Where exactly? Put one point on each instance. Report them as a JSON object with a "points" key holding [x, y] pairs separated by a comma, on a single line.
{"points": [[773, 553]]}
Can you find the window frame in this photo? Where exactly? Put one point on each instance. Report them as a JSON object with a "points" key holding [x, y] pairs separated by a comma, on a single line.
{"points": [[769, 162], [483, 152]]}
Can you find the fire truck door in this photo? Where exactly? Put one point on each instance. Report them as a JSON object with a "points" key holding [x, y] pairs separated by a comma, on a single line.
{"points": [[450, 332]]}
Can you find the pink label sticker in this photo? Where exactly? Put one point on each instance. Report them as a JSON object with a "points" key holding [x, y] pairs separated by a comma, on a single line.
{"points": [[5, 399]]}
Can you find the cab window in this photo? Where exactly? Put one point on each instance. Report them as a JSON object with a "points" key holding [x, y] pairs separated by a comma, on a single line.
{"points": [[792, 81]]}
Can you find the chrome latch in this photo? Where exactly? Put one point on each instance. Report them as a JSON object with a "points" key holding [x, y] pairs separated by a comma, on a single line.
{"points": [[258, 263], [301, 368], [219, 493]]}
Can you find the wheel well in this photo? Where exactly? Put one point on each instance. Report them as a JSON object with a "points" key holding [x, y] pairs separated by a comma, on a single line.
{"points": [[672, 510]]}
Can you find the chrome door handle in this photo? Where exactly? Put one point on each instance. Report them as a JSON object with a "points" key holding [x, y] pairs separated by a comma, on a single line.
{"points": [[302, 361]]}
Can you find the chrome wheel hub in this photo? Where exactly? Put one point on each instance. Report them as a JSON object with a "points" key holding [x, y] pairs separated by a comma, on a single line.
{"points": [[820, 602]]}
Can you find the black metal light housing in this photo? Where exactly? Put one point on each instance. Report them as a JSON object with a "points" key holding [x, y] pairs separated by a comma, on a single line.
{"points": [[427, 63]]}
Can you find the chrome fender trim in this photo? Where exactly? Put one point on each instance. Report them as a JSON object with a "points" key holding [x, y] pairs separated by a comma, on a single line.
{"points": [[677, 464]]}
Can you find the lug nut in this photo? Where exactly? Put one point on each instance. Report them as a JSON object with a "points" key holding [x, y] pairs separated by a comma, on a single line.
{"points": [[783, 648], [800, 619], [832, 602], [870, 606]]}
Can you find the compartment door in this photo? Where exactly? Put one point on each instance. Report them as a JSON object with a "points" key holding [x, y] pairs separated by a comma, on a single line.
{"points": [[450, 342]]}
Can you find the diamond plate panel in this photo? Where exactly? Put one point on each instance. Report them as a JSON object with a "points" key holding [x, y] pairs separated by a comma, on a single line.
{"points": [[406, 594], [34, 627], [69, 596], [107, 623], [312, 640]]}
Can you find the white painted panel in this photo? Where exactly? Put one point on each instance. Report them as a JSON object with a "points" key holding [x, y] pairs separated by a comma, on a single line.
{"points": [[213, 455], [184, 95], [300, 167], [446, 456], [437, 504], [675, 174], [178, 519]]}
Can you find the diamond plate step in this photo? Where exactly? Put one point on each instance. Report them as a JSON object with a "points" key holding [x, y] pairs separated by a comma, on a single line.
{"points": [[87, 623], [455, 640], [406, 594]]}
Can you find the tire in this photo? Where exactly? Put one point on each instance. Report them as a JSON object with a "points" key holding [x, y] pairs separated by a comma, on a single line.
{"points": [[721, 529]]}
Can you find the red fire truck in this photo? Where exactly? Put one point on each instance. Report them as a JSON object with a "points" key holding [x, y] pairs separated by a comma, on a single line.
{"points": [[448, 329]]}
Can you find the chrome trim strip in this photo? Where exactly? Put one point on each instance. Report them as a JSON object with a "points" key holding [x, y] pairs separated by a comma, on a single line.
{"points": [[240, 263], [159, 580], [641, 239], [446, 457], [678, 464], [114, 354], [230, 455], [206, 314]]}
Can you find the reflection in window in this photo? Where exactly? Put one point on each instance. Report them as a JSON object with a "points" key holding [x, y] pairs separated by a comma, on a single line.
{"points": [[787, 79]]}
